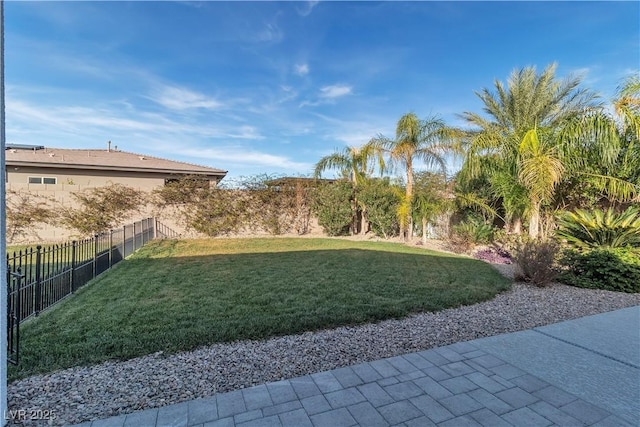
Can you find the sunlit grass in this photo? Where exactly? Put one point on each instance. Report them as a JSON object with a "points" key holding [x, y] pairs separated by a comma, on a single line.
{"points": [[179, 295]]}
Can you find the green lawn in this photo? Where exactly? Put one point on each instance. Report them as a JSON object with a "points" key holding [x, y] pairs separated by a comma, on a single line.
{"points": [[180, 295], [16, 248]]}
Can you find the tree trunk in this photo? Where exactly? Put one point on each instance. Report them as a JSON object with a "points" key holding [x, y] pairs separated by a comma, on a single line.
{"points": [[516, 225], [534, 221], [364, 223], [354, 218], [424, 231], [409, 194]]}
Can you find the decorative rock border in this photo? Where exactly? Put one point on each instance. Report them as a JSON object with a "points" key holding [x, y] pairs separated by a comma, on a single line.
{"points": [[112, 388]]}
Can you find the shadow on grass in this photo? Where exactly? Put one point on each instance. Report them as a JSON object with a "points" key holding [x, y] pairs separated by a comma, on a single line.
{"points": [[175, 304]]}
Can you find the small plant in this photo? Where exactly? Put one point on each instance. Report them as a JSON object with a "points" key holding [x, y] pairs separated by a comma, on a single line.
{"points": [[584, 229], [536, 261], [615, 269]]}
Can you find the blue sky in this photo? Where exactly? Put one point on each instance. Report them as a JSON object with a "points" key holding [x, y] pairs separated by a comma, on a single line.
{"points": [[271, 87]]}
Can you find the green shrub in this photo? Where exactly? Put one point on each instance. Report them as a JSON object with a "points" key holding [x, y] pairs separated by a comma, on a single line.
{"points": [[536, 261], [616, 269], [597, 229], [472, 232], [332, 205], [380, 202]]}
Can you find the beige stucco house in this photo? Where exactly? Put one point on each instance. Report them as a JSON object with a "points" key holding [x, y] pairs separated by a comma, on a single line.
{"points": [[55, 173], [38, 168]]}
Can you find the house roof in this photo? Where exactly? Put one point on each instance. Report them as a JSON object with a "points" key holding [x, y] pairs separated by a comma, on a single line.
{"points": [[113, 160]]}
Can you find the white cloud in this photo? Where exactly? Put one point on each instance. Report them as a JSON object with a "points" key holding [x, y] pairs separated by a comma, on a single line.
{"points": [[302, 69], [272, 31], [355, 133], [68, 126], [335, 91], [242, 156], [328, 95], [581, 72], [245, 132], [307, 7], [176, 98]]}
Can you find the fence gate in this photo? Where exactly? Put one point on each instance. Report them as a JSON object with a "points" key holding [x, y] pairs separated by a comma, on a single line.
{"points": [[14, 289]]}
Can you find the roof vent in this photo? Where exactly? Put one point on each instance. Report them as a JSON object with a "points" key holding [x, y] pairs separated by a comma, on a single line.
{"points": [[142, 158], [52, 154]]}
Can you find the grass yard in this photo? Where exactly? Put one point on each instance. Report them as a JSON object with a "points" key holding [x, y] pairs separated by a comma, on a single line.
{"points": [[180, 295]]}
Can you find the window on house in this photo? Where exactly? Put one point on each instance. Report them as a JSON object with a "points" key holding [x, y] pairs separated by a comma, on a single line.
{"points": [[42, 180]]}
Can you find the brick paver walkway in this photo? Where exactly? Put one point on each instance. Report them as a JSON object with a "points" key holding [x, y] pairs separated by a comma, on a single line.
{"points": [[464, 384]]}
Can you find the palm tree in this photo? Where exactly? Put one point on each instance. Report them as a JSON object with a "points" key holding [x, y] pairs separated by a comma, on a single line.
{"points": [[430, 199], [356, 164], [508, 143], [427, 140], [540, 169], [627, 105], [603, 149]]}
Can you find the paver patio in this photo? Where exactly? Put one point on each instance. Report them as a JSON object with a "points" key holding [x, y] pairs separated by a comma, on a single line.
{"points": [[580, 372]]}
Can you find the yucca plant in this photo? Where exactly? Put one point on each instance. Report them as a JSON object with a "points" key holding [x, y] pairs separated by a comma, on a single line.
{"points": [[599, 229]]}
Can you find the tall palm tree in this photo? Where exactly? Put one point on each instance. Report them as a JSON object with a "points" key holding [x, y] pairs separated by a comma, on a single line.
{"points": [[355, 164], [507, 142], [427, 140]]}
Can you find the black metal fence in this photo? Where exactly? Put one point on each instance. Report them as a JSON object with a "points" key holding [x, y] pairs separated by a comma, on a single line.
{"points": [[40, 276]]}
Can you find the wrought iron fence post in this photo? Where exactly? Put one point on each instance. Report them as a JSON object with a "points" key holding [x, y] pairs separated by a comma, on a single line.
{"points": [[110, 249], [14, 314], [38, 289], [134, 236], [124, 241], [72, 281], [95, 255]]}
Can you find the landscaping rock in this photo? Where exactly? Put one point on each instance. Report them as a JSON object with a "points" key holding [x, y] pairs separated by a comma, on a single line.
{"points": [[86, 393]]}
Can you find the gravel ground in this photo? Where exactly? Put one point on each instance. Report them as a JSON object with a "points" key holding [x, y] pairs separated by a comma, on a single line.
{"points": [[112, 388]]}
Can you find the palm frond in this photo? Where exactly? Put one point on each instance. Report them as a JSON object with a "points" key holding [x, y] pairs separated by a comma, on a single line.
{"points": [[337, 160], [471, 200], [615, 188]]}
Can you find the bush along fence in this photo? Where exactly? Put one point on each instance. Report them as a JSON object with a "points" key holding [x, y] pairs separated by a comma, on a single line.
{"points": [[41, 276]]}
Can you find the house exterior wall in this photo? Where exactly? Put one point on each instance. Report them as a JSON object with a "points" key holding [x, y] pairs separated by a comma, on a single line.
{"points": [[84, 178], [76, 180]]}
